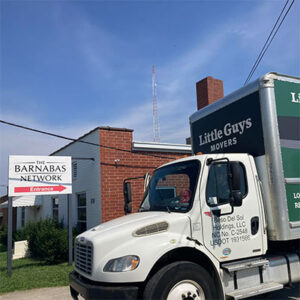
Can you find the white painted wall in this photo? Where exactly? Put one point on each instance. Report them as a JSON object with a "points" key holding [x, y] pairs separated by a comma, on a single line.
{"points": [[88, 180]]}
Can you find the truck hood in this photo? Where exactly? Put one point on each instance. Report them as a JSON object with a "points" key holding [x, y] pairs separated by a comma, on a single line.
{"points": [[130, 223], [146, 235]]}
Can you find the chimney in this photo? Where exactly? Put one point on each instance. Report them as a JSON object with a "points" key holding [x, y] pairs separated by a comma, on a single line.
{"points": [[208, 90]]}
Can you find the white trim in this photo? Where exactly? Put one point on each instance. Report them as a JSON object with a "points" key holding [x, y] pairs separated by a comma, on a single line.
{"points": [[23, 201], [161, 147]]}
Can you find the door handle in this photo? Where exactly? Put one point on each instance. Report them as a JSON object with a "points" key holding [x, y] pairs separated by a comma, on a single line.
{"points": [[254, 225]]}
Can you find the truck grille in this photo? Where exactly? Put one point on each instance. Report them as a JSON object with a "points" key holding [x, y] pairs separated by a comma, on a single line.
{"points": [[84, 256]]}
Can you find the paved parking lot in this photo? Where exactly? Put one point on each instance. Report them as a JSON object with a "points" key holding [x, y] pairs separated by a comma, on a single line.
{"points": [[63, 293]]}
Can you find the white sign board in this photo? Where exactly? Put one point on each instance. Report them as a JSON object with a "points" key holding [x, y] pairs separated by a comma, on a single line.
{"points": [[39, 175]]}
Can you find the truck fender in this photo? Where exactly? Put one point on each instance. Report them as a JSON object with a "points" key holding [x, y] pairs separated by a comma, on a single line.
{"points": [[192, 255]]}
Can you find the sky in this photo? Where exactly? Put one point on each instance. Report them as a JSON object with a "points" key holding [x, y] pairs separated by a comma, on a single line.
{"points": [[70, 66]]}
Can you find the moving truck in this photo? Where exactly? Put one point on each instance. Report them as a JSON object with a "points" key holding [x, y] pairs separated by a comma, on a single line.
{"points": [[223, 223]]}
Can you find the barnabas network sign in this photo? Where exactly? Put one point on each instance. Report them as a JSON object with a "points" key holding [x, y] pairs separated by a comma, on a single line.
{"points": [[39, 175]]}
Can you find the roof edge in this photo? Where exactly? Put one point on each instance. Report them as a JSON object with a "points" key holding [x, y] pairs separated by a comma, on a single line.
{"points": [[161, 147], [86, 134]]}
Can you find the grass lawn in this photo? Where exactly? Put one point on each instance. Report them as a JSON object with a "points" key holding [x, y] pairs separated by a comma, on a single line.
{"points": [[30, 274]]}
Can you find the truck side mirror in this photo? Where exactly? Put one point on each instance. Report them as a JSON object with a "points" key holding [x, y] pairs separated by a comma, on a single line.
{"points": [[127, 197]]}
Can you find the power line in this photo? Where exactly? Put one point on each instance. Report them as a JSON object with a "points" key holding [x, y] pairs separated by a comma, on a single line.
{"points": [[80, 141], [269, 41], [252, 70]]}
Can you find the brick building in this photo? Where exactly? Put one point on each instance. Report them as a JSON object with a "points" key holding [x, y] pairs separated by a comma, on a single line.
{"points": [[98, 174], [116, 166]]}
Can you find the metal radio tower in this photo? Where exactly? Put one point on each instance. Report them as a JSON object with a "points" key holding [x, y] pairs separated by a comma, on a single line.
{"points": [[155, 122]]}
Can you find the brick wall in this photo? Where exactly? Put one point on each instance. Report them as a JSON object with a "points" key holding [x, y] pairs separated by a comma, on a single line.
{"points": [[128, 165], [179, 181], [208, 90]]}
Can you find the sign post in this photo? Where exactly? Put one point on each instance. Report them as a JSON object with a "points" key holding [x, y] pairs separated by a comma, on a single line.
{"points": [[9, 237], [38, 175], [70, 230]]}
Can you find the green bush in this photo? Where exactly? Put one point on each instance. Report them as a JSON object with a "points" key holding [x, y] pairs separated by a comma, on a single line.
{"points": [[23, 233], [17, 235], [47, 240], [3, 248], [3, 236]]}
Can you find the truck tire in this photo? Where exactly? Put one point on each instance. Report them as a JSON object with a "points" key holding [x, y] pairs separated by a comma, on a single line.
{"points": [[181, 280]]}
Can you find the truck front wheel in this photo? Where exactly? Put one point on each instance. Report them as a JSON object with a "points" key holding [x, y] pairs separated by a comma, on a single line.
{"points": [[181, 281]]}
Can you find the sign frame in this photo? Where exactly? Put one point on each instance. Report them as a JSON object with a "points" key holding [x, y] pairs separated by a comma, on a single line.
{"points": [[39, 175]]}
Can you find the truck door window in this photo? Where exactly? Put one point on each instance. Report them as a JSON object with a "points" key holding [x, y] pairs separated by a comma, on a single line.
{"points": [[172, 188], [218, 189]]}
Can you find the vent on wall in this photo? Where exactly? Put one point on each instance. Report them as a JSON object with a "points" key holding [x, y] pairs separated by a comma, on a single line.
{"points": [[74, 170]]}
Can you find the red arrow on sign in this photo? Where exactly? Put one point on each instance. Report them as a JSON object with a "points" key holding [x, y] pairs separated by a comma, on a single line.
{"points": [[36, 189]]}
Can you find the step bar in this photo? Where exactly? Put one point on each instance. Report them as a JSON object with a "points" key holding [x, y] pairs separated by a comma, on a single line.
{"points": [[253, 291], [246, 264]]}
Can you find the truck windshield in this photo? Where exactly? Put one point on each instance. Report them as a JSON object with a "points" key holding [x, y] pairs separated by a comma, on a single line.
{"points": [[172, 188]]}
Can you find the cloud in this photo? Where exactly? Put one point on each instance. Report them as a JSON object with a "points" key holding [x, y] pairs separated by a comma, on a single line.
{"points": [[96, 47]]}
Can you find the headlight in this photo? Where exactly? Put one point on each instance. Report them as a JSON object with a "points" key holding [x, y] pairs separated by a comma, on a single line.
{"points": [[122, 264]]}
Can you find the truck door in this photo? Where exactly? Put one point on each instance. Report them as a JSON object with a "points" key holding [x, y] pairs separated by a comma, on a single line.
{"points": [[230, 232]]}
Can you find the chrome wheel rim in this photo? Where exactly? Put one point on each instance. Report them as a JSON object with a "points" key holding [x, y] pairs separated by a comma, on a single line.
{"points": [[186, 290]]}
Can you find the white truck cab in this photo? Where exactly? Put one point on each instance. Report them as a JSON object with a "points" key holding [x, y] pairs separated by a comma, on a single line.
{"points": [[206, 227]]}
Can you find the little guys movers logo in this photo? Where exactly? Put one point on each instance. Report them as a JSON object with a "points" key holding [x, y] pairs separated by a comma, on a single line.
{"points": [[228, 130], [39, 175], [235, 128]]}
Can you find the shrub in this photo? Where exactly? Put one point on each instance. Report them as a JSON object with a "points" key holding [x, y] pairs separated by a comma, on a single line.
{"points": [[23, 233], [3, 239], [3, 248], [3, 235], [48, 241]]}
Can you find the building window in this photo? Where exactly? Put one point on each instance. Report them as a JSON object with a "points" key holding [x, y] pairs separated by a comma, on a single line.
{"points": [[22, 216], [55, 208], [81, 212], [74, 170]]}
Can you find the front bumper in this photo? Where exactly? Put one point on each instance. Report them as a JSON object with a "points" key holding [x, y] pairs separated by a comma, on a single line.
{"points": [[92, 290]]}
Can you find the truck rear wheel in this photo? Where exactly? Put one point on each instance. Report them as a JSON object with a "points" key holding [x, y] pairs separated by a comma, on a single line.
{"points": [[181, 281]]}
